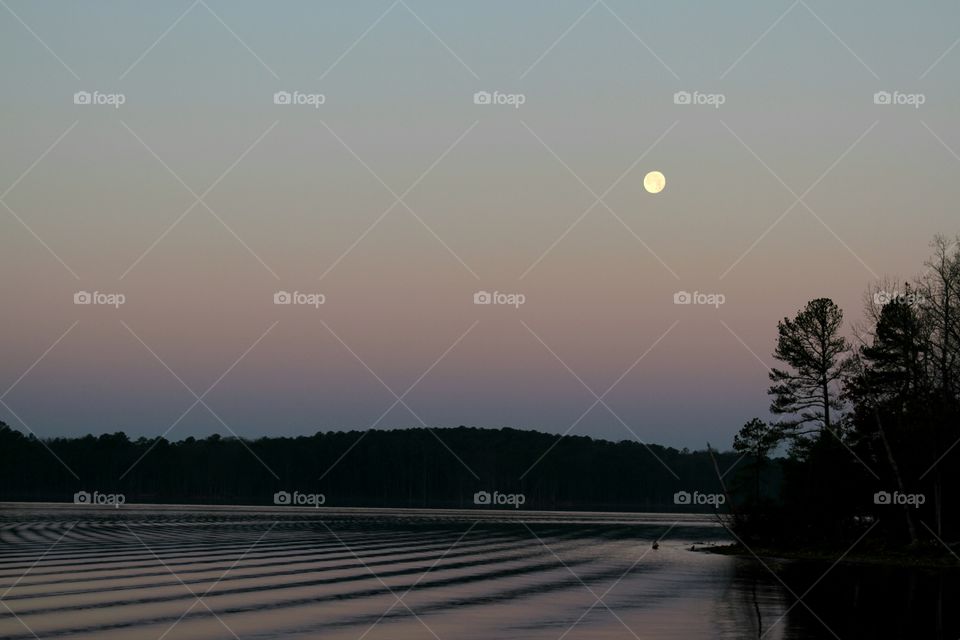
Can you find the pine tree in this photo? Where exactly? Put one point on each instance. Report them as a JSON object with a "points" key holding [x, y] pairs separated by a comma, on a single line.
{"points": [[756, 439], [808, 392]]}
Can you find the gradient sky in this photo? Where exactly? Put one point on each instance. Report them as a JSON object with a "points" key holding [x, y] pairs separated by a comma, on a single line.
{"points": [[99, 211]]}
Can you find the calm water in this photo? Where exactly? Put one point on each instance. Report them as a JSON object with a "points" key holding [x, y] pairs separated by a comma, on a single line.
{"points": [[137, 572]]}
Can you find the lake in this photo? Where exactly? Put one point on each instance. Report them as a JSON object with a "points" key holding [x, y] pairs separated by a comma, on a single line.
{"points": [[181, 572]]}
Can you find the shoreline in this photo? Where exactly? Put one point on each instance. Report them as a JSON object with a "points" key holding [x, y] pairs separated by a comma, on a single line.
{"points": [[893, 558]]}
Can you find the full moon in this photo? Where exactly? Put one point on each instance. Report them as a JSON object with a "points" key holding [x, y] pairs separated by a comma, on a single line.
{"points": [[654, 182]]}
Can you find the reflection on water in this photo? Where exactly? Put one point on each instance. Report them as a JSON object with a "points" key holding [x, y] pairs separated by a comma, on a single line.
{"points": [[182, 572], [857, 601]]}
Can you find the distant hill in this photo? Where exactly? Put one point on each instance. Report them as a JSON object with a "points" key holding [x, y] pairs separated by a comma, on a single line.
{"points": [[442, 468]]}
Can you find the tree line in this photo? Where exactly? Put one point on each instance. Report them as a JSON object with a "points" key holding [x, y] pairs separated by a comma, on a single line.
{"points": [[870, 424], [389, 468]]}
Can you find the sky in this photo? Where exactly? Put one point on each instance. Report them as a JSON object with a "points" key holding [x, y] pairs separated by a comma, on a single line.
{"points": [[187, 199]]}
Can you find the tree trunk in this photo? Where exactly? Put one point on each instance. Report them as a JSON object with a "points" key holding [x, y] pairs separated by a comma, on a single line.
{"points": [[911, 527]]}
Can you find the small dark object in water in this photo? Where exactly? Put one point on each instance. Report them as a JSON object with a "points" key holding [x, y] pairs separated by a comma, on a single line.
{"points": [[656, 545], [693, 547]]}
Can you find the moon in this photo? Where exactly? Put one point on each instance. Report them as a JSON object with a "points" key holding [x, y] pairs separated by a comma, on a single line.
{"points": [[654, 182]]}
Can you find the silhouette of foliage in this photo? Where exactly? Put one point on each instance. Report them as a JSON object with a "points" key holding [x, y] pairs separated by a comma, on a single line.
{"points": [[399, 468], [880, 422]]}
